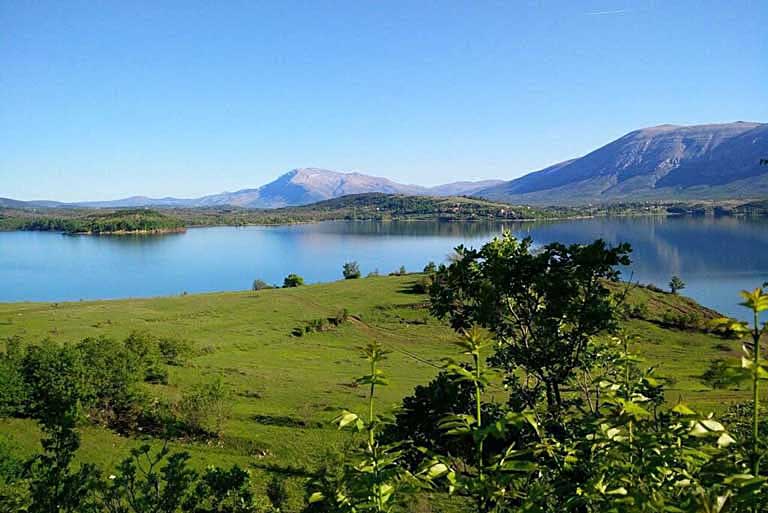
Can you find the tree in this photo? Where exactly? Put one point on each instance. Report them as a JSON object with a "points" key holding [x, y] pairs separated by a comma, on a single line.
{"points": [[430, 268], [292, 280], [351, 271], [542, 306], [676, 284], [260, 285], [59, 388]]}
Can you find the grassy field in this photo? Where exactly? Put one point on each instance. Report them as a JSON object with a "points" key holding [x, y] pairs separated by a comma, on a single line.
{"points": [[287, 388]]}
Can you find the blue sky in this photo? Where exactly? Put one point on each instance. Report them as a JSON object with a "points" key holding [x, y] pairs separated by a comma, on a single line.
{"points": [[101, 100]]}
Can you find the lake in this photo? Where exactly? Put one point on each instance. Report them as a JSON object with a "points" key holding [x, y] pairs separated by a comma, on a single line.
{"points": [[716, 257]]}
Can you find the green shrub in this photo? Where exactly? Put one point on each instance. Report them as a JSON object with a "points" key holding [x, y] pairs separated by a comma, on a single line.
{"points": [[205, 408], [293, 280], [351, 271], [719, 375], [14, 393], [174, 351], [422, 285], [682, 321]]}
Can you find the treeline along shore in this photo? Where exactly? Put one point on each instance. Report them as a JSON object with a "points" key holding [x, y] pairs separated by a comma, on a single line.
{"points": [[357, 207]]}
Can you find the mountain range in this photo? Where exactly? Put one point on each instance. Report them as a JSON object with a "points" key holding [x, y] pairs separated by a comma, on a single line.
{"points": [[296, 187], [665, 162]]}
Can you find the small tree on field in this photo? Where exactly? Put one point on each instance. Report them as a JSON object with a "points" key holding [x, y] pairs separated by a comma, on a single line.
{"points": [[676, 284], [293, 280], [260, 285], [351, 271], [542, 306], [430, 268]]}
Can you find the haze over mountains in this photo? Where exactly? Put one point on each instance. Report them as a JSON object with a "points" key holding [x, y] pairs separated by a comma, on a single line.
{"points": [[667, 162]]}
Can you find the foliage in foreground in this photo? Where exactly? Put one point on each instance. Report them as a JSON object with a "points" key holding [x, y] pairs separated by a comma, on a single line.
{"points": [[607, 445], [543, 409]]}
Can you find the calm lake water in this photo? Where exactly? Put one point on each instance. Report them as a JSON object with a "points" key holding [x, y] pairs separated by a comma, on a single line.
{"points": [[715, 257]]}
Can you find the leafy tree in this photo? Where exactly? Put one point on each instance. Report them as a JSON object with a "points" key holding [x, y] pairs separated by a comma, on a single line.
{"points": [[351, 271], [293, 280], [113, 373], [676, 284], [430, 267], [147, 348], [543, 306], [59, 387]]}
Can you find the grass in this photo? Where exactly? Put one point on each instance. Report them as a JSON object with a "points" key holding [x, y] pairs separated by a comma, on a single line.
{"points": [[287, 388]]}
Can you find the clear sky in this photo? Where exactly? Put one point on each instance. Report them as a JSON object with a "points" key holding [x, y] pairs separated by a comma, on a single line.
{"points": [[100, 100]]}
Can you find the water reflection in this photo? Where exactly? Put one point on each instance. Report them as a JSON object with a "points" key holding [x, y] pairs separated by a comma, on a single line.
{"points": [[716, 257]]}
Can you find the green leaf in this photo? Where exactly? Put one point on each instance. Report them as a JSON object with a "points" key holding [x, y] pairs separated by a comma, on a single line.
{"points": [[316, 497], [518, 466], [437, 470], [346, 418], [682, 409]]}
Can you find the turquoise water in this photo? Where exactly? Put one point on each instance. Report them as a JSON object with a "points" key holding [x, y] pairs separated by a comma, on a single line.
{"points": [[715, 257]]}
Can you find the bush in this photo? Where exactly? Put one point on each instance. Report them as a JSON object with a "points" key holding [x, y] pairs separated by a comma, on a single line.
{"points": [[261, 285], [654, 288], [351, 271], [638, 311], [719, 375], [13, 389], [113, 375], [204, 408], [422, 285], [153, 351], [416, 419], [174, 351], [682, 321], [293, 280]]}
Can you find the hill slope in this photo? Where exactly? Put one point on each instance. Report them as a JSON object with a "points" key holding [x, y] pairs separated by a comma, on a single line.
{"points": [[286, 389], [662, 162]]}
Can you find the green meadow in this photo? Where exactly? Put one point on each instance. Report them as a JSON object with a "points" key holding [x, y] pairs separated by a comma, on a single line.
{"points": [[285, 388]]}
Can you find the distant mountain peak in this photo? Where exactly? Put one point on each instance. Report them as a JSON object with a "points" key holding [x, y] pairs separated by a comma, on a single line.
{"points": [[298, 186]]}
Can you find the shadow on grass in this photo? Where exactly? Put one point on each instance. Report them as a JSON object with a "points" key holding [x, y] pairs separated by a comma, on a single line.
{"points": [[285, 421], [285, 470]]}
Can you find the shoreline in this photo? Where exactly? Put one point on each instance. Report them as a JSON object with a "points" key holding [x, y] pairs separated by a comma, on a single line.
{"points": [[159, 231]]}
